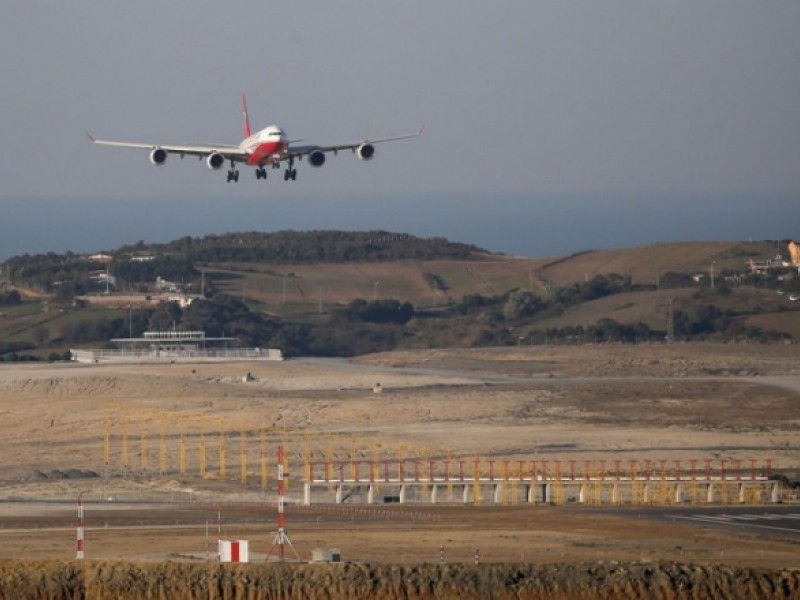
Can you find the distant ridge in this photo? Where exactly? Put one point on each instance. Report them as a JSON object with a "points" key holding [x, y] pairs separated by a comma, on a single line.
{"points": [[310, 247]]}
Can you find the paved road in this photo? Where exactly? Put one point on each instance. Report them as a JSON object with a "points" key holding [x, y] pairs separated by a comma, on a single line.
{"points": [[769, 519], [788, 382]]}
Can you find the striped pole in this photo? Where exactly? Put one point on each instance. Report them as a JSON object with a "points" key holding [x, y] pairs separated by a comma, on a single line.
{"points": [[79, 553], [441, 553], [281, 515], [281, 537]]}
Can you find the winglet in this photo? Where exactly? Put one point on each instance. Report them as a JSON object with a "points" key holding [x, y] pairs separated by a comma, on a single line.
{"points": [[245, 117], [421, 129], [90, 136]]}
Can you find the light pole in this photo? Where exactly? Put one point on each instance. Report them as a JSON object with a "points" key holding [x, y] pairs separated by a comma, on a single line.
{"points": [[375, 290], [713, 262]]}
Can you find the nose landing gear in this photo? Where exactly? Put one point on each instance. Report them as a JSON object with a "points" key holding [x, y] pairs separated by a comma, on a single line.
{"points": [[261, 173]]}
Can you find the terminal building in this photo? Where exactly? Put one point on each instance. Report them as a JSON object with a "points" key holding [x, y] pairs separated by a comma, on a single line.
{"points": [[174, 346]]}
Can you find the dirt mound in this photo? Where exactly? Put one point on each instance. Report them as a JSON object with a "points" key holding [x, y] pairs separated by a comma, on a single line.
{"points": [[51, 580], [62, 386], [117, 386], [58, 474]]}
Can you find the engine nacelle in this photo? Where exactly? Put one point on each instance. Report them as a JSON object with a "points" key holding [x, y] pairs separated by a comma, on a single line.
{"points": [[316, 158], [215, 161], [158, 156], [366, 151]]}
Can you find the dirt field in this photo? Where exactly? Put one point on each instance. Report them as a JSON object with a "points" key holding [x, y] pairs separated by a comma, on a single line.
{"points": [[405, 535], [643, 402], [646, 263]]}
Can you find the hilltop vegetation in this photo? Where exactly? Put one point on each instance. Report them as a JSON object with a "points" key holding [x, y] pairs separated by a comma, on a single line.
{"points": [[68, 274], [345, 293], [302, 247]]}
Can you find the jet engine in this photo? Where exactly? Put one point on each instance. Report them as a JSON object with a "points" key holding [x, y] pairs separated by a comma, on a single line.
{"points": [[366, 151], [158, 156], [215, 161], [316, 158]]}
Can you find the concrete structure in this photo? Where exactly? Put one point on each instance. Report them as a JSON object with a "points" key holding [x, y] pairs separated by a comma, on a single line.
{"points": [[523, 487], [100, 258], [169, 286], [794, 253], [174, 346], [331, 555], [117, 300], [776, 265]]}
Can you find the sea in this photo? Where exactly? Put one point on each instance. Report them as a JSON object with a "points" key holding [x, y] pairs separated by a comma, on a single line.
{"points": [[534, 225]]}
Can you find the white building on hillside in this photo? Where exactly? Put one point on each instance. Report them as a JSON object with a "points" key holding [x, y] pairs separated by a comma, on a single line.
{"points": [[175, 346]]}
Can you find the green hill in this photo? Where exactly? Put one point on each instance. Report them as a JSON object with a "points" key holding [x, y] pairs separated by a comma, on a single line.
{"points": [[303, 282]]}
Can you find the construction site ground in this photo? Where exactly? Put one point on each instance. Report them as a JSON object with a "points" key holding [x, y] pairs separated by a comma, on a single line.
{"points": [[644, 402]]}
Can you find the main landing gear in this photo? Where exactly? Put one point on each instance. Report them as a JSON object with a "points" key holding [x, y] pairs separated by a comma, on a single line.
{"points": [[291, 172], [261, 173], [233, 174]]}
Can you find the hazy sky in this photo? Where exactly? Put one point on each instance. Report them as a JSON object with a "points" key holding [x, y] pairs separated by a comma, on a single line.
{"points": [[528, 101]]}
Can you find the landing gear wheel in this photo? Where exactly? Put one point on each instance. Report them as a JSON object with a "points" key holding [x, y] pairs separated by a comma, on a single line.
{"points": [[261, 173], [286, 175], [294, 174], [233, 174]]}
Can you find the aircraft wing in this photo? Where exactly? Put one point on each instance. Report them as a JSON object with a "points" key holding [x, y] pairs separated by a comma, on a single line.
{"points": [[297, 151], [229, 151]]}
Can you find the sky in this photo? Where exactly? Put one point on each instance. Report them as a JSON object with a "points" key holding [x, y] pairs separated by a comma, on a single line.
{"points": [[550, 126]]}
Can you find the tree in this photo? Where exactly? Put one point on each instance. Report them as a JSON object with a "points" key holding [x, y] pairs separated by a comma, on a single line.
{"points": [[166, 315], [671, 279], [521, 305], [377, 311], [10, 298]]}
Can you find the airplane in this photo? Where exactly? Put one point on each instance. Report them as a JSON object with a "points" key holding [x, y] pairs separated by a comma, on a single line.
{"points": [[269, 146]]}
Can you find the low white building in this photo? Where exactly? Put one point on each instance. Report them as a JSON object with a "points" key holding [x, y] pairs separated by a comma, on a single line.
{"points": [[174, 346]]}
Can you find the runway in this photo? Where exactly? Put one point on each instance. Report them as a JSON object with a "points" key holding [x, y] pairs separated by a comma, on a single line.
{"points": [[777, 520]]}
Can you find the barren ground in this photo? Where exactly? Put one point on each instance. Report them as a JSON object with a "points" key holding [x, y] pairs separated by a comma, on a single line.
{"points": [[651, 402]]}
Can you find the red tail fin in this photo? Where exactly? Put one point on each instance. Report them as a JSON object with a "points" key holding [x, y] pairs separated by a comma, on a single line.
{"points": [[245, 117]]}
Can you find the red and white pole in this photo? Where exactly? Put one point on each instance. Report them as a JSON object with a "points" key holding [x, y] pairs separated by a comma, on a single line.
{"points": [[79, 553], [281, 538], [281, 516]]}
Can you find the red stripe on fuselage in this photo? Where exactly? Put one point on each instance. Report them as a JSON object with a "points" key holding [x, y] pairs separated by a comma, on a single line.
{"points": [[265, 151]]}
